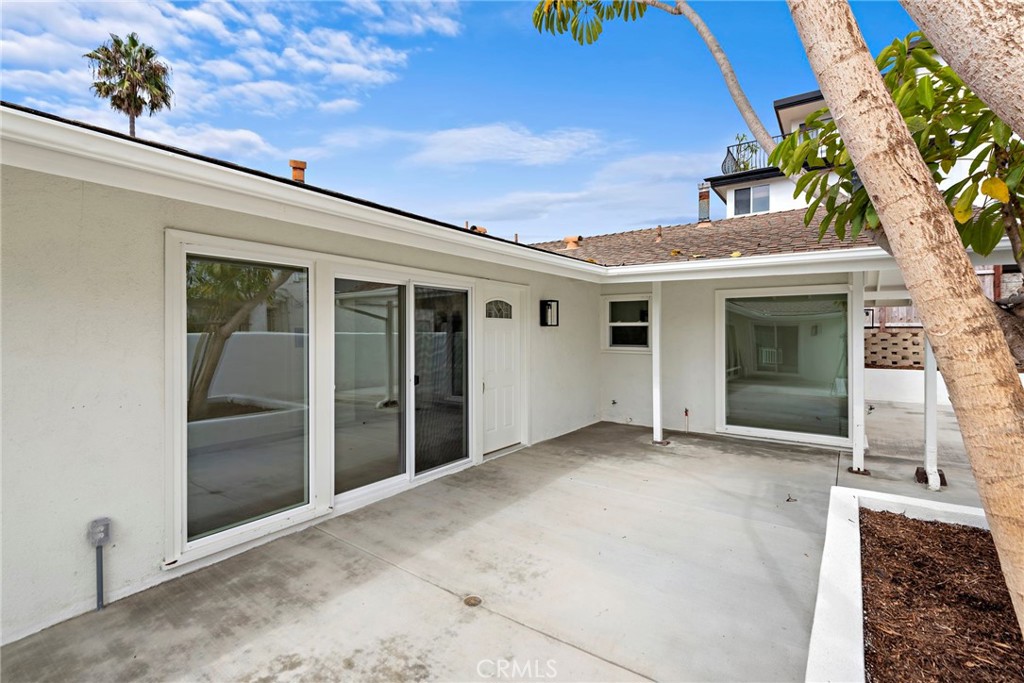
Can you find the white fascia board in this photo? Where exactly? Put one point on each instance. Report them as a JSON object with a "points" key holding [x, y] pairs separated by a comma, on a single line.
{"points": [[62, 149], [804, 263]]}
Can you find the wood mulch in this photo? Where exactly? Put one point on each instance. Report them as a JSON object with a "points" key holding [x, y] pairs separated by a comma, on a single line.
{"points": [[936, 607]]}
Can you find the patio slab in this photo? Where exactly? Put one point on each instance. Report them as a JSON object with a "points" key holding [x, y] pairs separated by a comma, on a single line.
{"points": [[598, 557]]}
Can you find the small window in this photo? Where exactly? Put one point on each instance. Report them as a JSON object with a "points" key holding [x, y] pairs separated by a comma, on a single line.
{"points": [[498, 309], [627, 324], [750, 200]]}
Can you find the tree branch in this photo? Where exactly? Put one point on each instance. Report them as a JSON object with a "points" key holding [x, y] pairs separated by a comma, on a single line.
{"points": [[750, 117]]}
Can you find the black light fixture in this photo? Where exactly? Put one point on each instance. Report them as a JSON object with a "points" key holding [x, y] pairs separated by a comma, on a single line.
{"points": [[549, 313]]}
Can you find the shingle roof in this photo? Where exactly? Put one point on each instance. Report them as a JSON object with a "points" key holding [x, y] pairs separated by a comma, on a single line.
{"points": [[783, 232]]}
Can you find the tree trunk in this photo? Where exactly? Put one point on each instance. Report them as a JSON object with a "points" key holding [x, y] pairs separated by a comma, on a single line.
{"points": [[131, 125], [969, 346], [208, 353], [991, 61], [211, 347]]}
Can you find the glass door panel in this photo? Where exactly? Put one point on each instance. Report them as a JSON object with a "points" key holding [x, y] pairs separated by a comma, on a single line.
{"points": [[786, 363], [247, 333], [441, 317], [369, 367]]}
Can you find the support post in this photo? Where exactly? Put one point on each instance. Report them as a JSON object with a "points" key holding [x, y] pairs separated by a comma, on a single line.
{"points": [[857, 426], [655, 338], [931, 428]]}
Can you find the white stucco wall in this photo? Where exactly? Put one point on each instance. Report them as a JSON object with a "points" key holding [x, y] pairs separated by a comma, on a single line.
{"points": [[901, 386], [688, 352], [83, 386]]}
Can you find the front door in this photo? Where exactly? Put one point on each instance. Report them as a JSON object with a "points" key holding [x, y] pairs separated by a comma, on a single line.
{"points": [[501, 388]]}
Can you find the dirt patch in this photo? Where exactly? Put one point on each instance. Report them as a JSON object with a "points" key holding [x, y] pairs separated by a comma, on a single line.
{"points": [[936, 607]]}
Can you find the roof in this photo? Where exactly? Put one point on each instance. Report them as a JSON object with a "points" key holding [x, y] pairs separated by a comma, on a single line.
{"points": [[795, 100], [254, 172], [782, 232]]}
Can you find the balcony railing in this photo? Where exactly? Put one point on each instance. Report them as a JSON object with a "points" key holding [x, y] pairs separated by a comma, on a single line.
{"points": [[746, 156]]}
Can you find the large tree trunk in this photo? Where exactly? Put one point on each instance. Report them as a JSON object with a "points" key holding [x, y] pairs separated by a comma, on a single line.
{"points": [[991, 61], [969, 346], [131, 125]]}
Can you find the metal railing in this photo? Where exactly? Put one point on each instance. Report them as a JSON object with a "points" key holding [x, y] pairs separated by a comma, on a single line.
{"points": [[746, 156]]}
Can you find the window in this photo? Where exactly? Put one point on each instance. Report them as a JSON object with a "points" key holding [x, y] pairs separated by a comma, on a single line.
{"points": [[248, 392], [498, 309], [627, 323], [750, 200]]}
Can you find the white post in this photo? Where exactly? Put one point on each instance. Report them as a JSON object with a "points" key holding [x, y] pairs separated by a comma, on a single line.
{"points": [[856, 347], [931, 427], [655, 337]]}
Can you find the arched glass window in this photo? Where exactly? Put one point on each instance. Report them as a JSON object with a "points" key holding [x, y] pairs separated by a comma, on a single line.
{"points": [[498, 309]]}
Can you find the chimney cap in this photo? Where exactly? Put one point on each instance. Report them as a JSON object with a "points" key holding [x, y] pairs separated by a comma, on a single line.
{"points": [[295, 163]]}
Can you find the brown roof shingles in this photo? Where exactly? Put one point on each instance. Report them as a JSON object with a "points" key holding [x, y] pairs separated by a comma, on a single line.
{"points": [[782, 232]]}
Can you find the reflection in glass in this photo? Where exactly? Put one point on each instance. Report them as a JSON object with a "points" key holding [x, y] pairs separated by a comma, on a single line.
{"points": [[441, 435], [786, 363], [369, 368], [248, 393]]}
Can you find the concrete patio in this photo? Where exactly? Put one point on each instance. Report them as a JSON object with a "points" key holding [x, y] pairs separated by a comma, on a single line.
{"points": [[597, 555]]}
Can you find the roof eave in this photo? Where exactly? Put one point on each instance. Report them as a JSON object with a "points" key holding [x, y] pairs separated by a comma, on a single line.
{"points": [[57, 147]]}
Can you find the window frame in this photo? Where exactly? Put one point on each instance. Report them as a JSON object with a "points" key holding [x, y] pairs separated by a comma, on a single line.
{"points": [[721, 296], [179, 550], [607, 325]]}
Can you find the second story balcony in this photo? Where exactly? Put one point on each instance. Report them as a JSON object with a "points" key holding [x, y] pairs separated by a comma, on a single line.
{"points": [[746, 156]]}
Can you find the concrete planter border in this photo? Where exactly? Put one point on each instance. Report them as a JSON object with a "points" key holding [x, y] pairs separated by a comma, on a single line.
{"points": [[836, 650], [283, 418]]}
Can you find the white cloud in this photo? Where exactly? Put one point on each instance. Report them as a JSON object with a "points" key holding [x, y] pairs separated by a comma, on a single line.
{"points": [[211, 47], [268, 22], [265, 98], [225, 70], [411, 18], [492, 143], [501, 142], [73, 82], [342, 105], [636, 191], [216, 142]]}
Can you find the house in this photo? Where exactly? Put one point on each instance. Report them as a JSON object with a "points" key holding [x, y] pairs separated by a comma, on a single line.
{"points": [[212, 356]]}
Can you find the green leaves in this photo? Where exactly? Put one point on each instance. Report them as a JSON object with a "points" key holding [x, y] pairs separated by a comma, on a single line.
{"points": [[975, 158], [583, 19]]}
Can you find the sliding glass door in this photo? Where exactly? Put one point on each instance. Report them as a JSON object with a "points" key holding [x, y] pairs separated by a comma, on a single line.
{"points": [[369, 372], [247, 332], [441, 319], [300, 383], [786, 364]]}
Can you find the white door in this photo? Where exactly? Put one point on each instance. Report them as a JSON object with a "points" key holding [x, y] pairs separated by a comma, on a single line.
{"points": [[501, 383]]}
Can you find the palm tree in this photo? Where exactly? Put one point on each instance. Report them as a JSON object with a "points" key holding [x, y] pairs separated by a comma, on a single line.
{"points": [[128, 73]]}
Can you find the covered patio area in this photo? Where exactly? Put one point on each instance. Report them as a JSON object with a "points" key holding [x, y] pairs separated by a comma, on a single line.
{"points": [[597, 556]]}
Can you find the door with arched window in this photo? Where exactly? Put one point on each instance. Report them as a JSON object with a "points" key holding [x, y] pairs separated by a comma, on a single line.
{"points": [[501, 369]]}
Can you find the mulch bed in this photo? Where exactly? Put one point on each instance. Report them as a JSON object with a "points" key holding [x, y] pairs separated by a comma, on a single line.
{"points": [[936, 607]]}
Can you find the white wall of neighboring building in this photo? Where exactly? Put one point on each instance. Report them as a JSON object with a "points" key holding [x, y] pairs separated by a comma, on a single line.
{"points": [[780, 196], [84, 407]]}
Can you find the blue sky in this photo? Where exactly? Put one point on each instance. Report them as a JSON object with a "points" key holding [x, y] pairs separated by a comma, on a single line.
{"points": [[458, 111]]}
